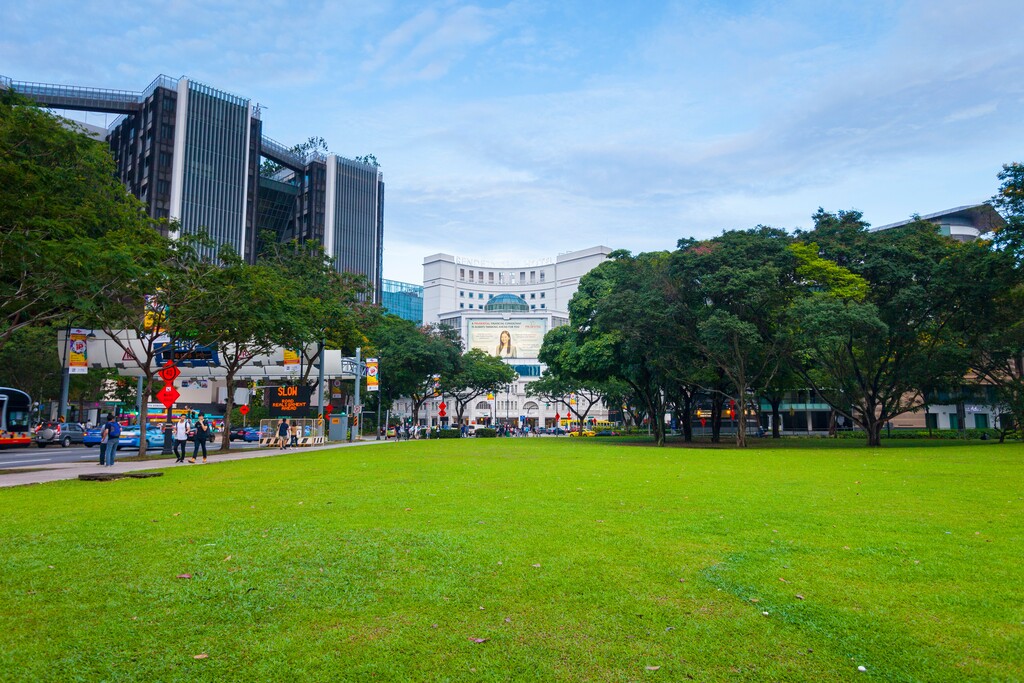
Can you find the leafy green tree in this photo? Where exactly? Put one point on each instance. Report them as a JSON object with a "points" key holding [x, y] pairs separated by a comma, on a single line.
{"points": [[735, 290], [478, 373], [578, 396], [70, 235], [413, 360], [246, 311], [871, 358], [617, 330]]}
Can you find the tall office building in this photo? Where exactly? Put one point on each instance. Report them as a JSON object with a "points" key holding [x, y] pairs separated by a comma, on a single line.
{"points": [[192, 153], [403, 299]]}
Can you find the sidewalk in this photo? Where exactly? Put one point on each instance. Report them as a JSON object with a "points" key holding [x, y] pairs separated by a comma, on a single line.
{"points": [[71, 470]]}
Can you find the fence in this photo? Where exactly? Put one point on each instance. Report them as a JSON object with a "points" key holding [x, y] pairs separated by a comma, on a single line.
{"points": [[301, 432]]}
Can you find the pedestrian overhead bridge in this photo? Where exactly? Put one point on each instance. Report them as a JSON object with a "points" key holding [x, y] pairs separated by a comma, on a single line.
{"points": [[109, 101]]}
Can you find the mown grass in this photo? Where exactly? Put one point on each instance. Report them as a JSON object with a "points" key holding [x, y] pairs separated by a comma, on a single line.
{"points": [[383, 562]]}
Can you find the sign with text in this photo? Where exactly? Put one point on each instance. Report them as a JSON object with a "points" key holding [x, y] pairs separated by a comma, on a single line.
{"points": [[187, 355], [288, 401], [507, 338], [78, 352]]}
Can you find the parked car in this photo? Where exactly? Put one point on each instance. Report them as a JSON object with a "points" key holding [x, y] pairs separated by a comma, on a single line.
{"points": [[247, 434], [130, 438], [607, 432], [92, 436], [584, 432], [63, 433]]}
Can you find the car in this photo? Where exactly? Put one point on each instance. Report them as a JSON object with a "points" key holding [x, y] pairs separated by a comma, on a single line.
{"points": [[64, 433], [607, 432], [247, 434], [391, 432], [130, 438], [584, 432]]}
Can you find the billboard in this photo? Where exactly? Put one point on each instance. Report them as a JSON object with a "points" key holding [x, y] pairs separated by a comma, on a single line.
{"points": [[507, 338], [78, 352]]}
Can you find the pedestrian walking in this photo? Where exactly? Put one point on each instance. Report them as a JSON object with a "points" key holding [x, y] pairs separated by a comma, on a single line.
{"points": [[295, 434], [181, 430], [282, 433], [202, 434], [110, 437]]}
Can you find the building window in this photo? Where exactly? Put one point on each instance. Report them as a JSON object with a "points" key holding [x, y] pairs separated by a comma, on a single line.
{"points": [[490, 277], [471, 305], [542, 295], [490, 296], [533, 306], [522, 276], [480, 273], [480, 295], [471, 276], [461, 293], [543, 305], [542, 276], [462, 273], [533, 276], [462, 305], [533, 295]]}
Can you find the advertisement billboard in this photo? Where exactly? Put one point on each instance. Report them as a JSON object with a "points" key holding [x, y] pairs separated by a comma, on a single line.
{"points": [[78, 352], [507, 338]]}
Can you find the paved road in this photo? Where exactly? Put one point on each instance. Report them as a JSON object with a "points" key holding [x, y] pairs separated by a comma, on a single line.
{"points": [[34, 456]]}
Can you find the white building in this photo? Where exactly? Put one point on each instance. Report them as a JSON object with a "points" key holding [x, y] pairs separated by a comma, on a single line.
{"points": [[505, 309]]}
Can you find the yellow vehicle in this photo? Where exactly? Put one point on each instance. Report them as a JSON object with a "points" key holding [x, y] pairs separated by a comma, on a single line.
{"points": [[584, 432]]}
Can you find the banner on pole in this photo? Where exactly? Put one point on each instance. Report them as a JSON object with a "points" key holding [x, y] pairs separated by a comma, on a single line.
{"points": [[78, 352], [372, 380]]}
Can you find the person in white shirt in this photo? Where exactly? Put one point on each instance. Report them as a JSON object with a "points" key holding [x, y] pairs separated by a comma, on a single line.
{"points": [[181, 429]]}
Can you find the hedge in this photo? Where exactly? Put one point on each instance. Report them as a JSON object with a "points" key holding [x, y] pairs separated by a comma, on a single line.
{"points": [[445, 434], [486, 433]]}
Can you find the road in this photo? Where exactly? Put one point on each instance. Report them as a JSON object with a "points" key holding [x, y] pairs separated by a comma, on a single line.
{"points": [[33, 456]]}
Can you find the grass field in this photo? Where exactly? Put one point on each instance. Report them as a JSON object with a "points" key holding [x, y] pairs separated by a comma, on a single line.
{"points": [[568, 560]]}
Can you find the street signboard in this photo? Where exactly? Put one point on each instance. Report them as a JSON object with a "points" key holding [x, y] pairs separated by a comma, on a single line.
{"points": [[288, 401]]}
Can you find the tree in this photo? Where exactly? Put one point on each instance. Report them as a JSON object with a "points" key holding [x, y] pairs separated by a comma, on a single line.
{"points": [[272, 312], [620, 327], [734, 290], [70, 234], [578, 397], [414, 360], [154, 316], [870, 357], [478, 373]]}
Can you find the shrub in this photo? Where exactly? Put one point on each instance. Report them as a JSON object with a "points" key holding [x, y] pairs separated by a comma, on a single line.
{"points": [[445, 434], [486, 433]]}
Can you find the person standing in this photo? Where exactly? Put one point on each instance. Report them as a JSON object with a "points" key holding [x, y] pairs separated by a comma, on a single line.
{"points": [[181, 430], [295, 434], [202, 433], [282, 433], [112, 433]]}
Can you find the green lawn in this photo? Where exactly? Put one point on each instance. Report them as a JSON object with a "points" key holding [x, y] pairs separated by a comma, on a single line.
{"points": [[575, 560]]}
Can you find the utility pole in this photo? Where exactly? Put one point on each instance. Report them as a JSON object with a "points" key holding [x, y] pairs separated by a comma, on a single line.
{"points": [[359, 380]]}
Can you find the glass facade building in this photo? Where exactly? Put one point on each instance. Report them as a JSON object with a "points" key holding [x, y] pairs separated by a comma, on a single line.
{"points": [[192, 153], [403, 299]]}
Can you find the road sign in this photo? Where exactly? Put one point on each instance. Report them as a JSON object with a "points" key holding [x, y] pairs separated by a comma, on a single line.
{"points": [[168, 395], [244, 410], [169, 373], [443, 406], [557, 417], [128, 355], [442, 413], [703, 422]]}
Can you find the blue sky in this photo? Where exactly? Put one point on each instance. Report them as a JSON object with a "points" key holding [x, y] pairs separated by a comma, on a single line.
{"points": [[527, 128]]}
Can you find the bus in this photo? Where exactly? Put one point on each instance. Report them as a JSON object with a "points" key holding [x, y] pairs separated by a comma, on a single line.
{"points": [[15, 412]]}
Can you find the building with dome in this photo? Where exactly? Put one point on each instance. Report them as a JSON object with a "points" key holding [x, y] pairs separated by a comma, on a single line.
{"points": [[505, 309]]}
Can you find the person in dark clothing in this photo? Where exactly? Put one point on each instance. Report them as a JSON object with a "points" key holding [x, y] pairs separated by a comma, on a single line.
{"points": [[202, 434], [282, 433]]}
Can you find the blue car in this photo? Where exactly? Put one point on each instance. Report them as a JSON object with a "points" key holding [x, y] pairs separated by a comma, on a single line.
{"points": [[130, 438], [247, 434]]}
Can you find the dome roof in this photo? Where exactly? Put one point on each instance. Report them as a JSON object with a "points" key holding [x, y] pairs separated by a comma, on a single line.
{"points": [[507, 302]]}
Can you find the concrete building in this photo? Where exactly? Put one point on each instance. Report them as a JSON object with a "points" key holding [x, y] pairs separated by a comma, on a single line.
{"points": [[505, 309], [192, 153]]}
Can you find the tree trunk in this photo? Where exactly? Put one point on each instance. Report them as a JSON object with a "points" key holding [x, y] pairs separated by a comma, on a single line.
{"points": [[740, 416], [717, 402], [687, 417], [873, 426], [229, 404], [776, 403]]}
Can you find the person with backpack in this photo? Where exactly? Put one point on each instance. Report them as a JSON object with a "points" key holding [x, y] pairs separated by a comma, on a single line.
{"points": [[110, 436], [202, 433], [181, 430], [282, 433]]}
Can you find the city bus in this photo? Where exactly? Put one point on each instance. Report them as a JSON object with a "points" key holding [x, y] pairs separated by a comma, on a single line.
{"points": [[15, 412]]}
